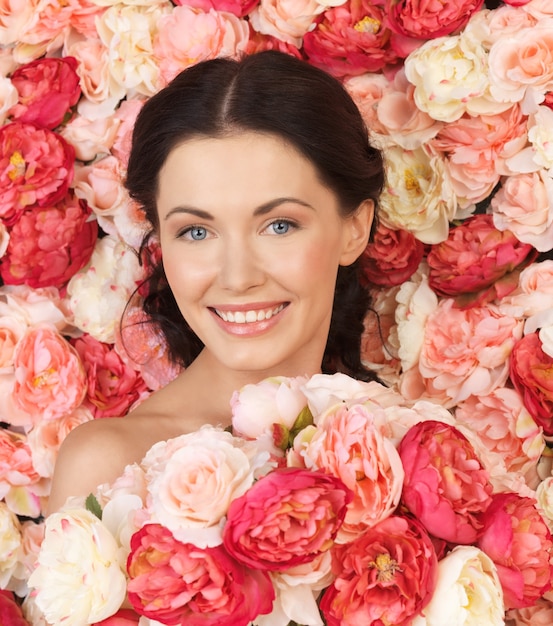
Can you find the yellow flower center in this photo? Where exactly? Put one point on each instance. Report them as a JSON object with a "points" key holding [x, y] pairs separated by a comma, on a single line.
{"points": [[386, 566], [18, 165], [367, 25], [42, 379], [412, 183]]}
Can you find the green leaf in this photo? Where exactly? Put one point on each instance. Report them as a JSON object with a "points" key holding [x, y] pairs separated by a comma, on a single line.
{"points": [[93, 505]]}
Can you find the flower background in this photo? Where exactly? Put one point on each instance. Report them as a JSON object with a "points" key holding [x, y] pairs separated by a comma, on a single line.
{"points": [[460, 97]]}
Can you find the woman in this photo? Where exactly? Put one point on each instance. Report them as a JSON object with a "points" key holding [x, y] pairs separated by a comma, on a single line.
{"points": [[260, 184]]}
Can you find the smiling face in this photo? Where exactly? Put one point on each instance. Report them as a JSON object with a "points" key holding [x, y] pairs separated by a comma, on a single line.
{"points": [[251, 243]]}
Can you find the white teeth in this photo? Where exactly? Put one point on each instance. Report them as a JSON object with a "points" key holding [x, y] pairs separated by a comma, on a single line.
{"points": [[248, 317]]}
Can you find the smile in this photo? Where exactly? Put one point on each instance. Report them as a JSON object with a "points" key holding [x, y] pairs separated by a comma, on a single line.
{"points": [[249, 317]]}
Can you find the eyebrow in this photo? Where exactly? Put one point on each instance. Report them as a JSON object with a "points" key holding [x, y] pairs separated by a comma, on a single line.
{"points": [[262, 209]]}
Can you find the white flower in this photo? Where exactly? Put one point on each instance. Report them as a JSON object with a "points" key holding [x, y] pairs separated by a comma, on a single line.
{"points": [[78, 579], [544, 497], [10, 545], [468, 592]]}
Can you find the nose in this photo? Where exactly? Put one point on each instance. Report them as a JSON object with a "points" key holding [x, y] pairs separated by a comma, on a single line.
{"points": [[240, 266]]}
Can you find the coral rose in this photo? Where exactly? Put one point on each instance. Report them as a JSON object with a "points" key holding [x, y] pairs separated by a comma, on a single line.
{"points": [[48, 88], [286, 518], [531, 375], [36, 167], [385, 577], [123, 617], [238, 7], [18, 476], [539, 614], [517, 539], [179, 583], [391, 258], [445, 485]]}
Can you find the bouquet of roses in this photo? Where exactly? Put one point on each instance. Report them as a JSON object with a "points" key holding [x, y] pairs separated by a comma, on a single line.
{"points": [[332, 501]]}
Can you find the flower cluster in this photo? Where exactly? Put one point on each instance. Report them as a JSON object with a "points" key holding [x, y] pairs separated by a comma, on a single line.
{"points": [[459, 95]]}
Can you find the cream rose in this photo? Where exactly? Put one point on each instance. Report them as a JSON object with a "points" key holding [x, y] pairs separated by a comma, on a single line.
{"points": [[10, 546], [287, 20]]}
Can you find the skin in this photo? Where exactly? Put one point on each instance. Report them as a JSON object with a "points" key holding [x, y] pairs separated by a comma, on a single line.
{"points": [[245, 225]]}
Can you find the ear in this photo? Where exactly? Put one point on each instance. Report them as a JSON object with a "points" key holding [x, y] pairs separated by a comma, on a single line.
{"points": [[357, 232]]}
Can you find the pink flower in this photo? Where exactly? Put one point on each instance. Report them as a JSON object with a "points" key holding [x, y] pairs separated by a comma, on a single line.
{"points": [[286, 518], [48, 88], [287, 20], [391, 257], [531, 375], [178, 583], [36, 167], [238, 7], [49, 245], [385, 577], [518, 541], [50, 377], [123, 617], [350, 39], [18, 477], [476, 256], [113, 386], [10, 611], [445, 486], [539, 614], [258, 42]]}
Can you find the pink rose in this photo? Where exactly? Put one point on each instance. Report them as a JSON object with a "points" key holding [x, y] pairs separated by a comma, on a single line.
{"points": [[178, 583], [517, 539], [258, 42], [539, 614], [286, 518], [477, 257], [36, 167], [48, 88], [89, 138], [125, 117], [288, 20], [123, 617], [10, 611], [531, 376], [50, 377], [348, 444], [350, 39], [391, 257], [113, 386], [49, 245], [445, 486], [385, 577], [240, 8], [83, 16]]}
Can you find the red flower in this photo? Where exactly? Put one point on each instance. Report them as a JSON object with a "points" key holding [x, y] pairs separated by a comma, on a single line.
{"points": [[238, 7], [531, 374], [385, 577], [350, 39], [445, 485], [518, 541], [48, 88], [36, 167], [286, 518], [10, 611], [49, 245], [123, 617], [178, 583], [391, 258]]}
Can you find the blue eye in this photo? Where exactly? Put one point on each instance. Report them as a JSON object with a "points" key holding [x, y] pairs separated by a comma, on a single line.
{"points": [[280, 227], [197, 233]]}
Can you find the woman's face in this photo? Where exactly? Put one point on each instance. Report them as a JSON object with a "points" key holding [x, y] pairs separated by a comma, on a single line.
{"points": [[251, 243]]}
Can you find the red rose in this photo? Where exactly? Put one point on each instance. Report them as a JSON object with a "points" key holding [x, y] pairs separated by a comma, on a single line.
{"points": [[518, 541], [385, 577], [391, 258], [476, 256], [48, 88], [178, 583], [123, 617], [445, 485], [36, 167], [286, 518], [113, 386], [49, 245], [350, 39], [10, 611], [530, 372]]}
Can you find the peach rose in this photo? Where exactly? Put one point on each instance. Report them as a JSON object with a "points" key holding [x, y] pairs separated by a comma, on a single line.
{"points": [[348, 444], [18, 477], [35, 307], [288, 20], [539, 614], [83, 16], [16, 17], [50, 378], [45, 34], [534, 296], [10, 547], [367, 90], [486, 27], [539, 9], [90, 138]]}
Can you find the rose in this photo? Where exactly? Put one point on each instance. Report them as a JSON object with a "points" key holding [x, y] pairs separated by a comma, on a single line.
{"points": [[113, 387], [10, 546], [78, 579], [19, 480], [538, 154], [539, 9], [36, 167], [530, 372], [476, 256], [49, 375], [32, 535], [534, 297], [518, 541], [539, 614], [48, 88], [34, 307], [488, 26], [123, 617], [179, 583], [350, 39], [285, 20], [467, 591], [240, 8], [385, 577], [286, 518], [445, 485], [8, 97], [391, 257], [89, 138], [49, 245], [10, 611], [348, 444]]}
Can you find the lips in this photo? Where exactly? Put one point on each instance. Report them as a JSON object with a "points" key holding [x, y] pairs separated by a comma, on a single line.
{"points": [[249, 316]]}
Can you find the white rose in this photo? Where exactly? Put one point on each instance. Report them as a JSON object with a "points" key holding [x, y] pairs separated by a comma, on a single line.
{"points": [[10, 546], [544, 496], [468, 592], [78, 579]]}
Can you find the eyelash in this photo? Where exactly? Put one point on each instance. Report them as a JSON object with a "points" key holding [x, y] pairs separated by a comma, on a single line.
{"points": [[182, 234]]}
